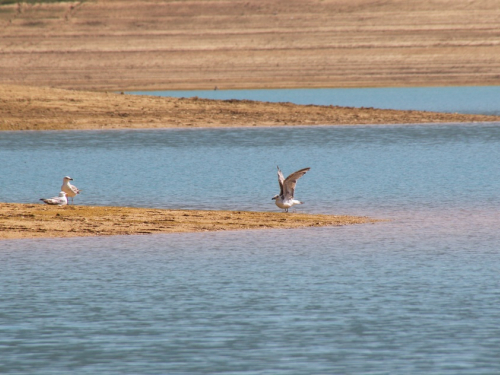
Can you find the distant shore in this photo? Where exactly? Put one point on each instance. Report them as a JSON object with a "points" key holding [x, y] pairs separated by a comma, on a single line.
{"points": [[199, 44], [59, 59], [19, 220]]}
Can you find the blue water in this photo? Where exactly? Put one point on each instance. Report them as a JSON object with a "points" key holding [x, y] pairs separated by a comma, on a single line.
{"points": [[416, 294], [459, 99]]}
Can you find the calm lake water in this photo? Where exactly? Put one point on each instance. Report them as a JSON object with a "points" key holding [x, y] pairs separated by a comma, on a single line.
{"points": [[417, 294], [473, 99]]}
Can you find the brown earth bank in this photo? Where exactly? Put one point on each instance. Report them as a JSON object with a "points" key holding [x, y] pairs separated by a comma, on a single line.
{"points": [[38, 220], [37, 108], [199, 44]]}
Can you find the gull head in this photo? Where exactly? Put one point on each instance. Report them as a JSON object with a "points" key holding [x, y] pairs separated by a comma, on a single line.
{"points": [[67, 178], [62, 194], [275, 197]]}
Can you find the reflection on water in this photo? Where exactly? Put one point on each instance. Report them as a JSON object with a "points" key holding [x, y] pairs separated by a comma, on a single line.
{"points": [[417, 294], [460, 99]]}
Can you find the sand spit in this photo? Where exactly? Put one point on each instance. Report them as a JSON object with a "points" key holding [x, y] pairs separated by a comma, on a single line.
{"points": [[38, 221], [37, 108]]}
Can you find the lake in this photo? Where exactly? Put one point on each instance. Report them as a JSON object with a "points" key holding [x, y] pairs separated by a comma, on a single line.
{"points": [[452, 99], [416, 294]]}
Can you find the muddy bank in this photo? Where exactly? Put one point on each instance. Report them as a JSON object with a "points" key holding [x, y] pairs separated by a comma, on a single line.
{"points": [[39, 221]]}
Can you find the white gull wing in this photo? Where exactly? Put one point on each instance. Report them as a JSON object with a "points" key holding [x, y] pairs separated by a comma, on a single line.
{"points": [[74, 189], [291, 181], [281, 179]]}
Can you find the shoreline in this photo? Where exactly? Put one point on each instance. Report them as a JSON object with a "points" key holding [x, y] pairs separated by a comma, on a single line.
{"points": [[247, 127], [393, 85], [29, 221]]}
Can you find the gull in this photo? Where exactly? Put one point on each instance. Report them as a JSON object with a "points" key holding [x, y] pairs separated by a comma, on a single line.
{"points": [[70, 190], [287, 189], [60, 200]]}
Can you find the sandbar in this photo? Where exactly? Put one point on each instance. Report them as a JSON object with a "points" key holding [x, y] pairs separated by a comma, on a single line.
{"points": [[19, 220]]}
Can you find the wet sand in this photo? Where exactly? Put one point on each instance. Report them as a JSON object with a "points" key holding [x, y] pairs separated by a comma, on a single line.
{"points": [[38, 220]]}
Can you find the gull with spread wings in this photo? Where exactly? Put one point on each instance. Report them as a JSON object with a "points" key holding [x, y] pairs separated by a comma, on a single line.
{"points": [[285, 198]]}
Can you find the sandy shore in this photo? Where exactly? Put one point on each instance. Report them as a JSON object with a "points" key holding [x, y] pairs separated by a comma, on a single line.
{"points": [[38, 220], [158, 45]]}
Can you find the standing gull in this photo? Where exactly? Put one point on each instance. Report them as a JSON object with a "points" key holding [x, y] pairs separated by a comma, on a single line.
{"points": [[60, 200], [287, 189], [70, 190]]}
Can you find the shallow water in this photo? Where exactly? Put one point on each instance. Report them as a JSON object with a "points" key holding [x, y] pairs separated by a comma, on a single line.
{"points": [[360, 169], [419, 293], [459, 99]]}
